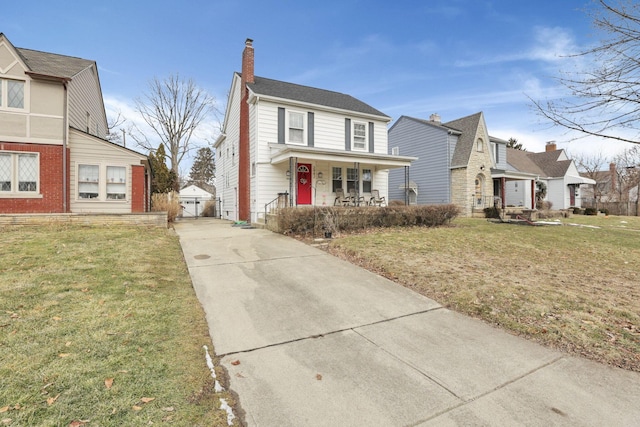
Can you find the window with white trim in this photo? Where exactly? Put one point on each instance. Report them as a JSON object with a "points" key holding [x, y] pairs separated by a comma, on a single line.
{"points": [[88, 181], [296, 127], [352, 179], [116, 182], [336, 179], [359, 135], [12, 93], [366, 180], [19, 172]]}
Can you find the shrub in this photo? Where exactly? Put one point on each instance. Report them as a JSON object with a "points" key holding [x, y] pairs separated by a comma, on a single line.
{"points": [[576, 210], [544, 205], [591, 211], [605, 211], [166, 202], [305, 220], [209, 209], [491, 212]]}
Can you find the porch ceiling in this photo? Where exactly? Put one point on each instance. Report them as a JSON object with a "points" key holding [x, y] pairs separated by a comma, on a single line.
{"points": [[512, 175], [282, 153]]}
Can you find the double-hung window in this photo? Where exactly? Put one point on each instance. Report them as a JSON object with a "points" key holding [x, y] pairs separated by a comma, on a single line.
{"points": [[359, 135], [352, 179], [19, 172], [88, 181], [336, 179], [116, 182], [296, 127], [366, 180], [12, 93]]}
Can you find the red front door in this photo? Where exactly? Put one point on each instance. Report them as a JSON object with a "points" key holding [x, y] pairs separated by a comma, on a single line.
{"points": [[304, 184]]}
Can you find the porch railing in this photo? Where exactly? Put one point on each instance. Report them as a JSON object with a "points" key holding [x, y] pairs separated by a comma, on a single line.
{"points": [[278, 203], [485, 202]]}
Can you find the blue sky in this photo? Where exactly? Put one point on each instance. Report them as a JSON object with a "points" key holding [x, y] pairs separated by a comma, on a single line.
{"points": [[415, 58]]}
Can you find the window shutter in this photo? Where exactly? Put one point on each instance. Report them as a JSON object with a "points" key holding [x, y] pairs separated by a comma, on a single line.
{"points": [[281, 129], [347, 134], [371, 142], [310, 129]]}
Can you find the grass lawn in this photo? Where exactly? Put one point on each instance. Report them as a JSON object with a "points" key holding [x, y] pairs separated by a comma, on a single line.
{"points": [[101, 326], [574, 288]]}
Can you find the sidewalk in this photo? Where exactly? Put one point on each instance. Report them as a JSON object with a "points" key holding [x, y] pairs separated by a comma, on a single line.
{"points": [[321, 342]]}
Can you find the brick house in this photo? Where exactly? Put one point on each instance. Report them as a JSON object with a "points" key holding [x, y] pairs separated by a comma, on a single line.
{"points": [[53, 155]]}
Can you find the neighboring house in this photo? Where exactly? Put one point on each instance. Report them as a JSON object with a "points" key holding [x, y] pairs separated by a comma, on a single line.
{"points": [[282, 138], [552, 167], [460, 163], [53, 155], [193, 199], [456, 162]]}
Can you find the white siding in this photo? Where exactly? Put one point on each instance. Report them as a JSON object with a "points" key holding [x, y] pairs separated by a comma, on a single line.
{"points": [[87, 150]]}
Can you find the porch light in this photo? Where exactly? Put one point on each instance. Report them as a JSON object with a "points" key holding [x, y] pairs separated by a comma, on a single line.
{"points": [[482, 167], [320, 175], [288, 174]]}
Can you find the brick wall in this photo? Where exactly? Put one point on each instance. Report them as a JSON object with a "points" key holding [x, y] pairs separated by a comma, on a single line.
{"points": [[50, 199], [137, 189], [150, 219]]}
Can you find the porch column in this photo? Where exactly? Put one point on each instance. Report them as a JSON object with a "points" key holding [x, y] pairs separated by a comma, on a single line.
{"points": [[503, 191], [406, 185], [533, 194]]}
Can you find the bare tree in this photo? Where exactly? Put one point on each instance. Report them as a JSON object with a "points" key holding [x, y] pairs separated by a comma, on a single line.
{"points": [[593, 166], [604, 98], [174, 108], [627, 167], [115, 133]]}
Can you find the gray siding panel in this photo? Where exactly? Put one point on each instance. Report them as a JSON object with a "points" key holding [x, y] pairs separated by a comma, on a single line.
{"points": [[280, 125], [430, 171], [347, 134], [372, 144], [310, 129]]}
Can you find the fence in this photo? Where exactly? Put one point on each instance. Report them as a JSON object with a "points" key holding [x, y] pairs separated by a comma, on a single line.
{"points": [[614, 208]]}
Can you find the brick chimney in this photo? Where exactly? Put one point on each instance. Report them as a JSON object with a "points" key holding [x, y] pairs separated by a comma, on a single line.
{"points": [[613, 173], [435, 117], [247, 62], [551, 146], [244, 175]]}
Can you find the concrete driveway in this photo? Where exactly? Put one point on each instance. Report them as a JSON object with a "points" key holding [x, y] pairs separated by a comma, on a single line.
{"points": [[321, 342]]}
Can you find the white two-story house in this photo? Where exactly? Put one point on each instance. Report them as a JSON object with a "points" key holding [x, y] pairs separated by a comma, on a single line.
{"points": [[309, 143]]}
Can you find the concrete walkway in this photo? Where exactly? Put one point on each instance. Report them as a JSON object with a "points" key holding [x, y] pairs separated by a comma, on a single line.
{"points": [[311, 340]]}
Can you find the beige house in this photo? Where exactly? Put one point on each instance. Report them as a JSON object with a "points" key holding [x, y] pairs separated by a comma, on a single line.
{"points": [[54, 157]]}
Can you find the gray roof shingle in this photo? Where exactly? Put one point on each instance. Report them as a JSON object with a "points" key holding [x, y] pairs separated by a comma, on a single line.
{"points": [[545, 164], [311, 95], [469, 127], [52, 64]]}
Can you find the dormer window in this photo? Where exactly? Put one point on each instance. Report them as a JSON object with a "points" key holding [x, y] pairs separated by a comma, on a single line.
{"points": [[359, 135], [296, 127]]}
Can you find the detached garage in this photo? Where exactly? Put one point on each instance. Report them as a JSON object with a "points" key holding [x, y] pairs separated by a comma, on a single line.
{"points": [[193, 200]]}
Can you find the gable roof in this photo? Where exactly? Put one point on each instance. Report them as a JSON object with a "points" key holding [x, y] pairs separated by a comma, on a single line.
{"points": [[310, 95], [52, 64], [468, 126], [545, 164]]}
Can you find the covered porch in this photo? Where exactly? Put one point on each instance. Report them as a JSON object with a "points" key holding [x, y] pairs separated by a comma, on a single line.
{"points": [[523, 191], [317, 176]]}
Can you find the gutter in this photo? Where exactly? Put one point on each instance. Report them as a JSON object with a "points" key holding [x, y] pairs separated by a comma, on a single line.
{"points": [[65, 136]]}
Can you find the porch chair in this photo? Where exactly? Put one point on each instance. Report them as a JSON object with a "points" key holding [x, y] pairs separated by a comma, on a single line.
{"points": [[341, 198], [354, 198], [376, 200]]}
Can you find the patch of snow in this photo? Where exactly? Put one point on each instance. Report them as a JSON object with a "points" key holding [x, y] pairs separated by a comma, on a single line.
{"points": [[216, 387], [225, 406]]}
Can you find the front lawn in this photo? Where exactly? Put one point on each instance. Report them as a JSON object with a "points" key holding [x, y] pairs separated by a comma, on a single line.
{"points": [[572, 287], [101, 326]]}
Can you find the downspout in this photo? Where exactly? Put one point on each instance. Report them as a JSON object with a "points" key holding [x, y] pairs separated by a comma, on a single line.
{"points": [[65, 137]]}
